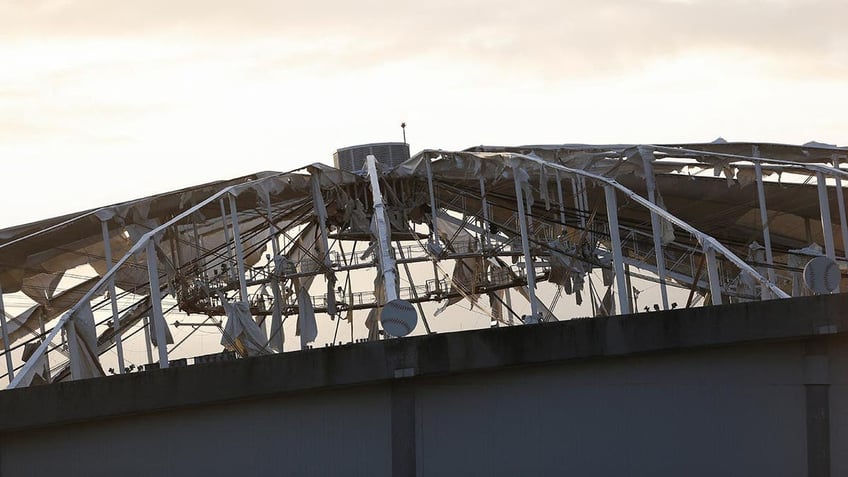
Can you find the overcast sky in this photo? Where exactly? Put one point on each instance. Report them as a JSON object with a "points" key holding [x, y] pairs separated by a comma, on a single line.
{"points": [[103, 101]]}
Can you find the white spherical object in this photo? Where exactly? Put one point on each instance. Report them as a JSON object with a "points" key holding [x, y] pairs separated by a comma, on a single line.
{"points": [[822, 275], [398, 318]]}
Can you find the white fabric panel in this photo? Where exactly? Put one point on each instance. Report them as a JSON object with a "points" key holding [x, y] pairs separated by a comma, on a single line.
{"points": [[82, 344], [306, 317], [242, 329]]}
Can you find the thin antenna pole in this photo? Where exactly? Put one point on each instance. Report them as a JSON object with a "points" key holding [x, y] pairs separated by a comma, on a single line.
{"points": [[403, 128]]}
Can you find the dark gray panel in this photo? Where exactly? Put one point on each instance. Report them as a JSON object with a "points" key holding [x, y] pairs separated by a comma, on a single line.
{"points": [[722, 412], [344, 432]]}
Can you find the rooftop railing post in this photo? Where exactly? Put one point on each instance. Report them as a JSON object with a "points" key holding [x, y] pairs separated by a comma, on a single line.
{"points": [[116, 319], [617, 255], [156, 302], [529, 266]]}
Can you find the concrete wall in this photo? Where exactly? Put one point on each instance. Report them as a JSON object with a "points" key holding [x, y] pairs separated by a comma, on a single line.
{"points": [[738, 411], [308, 434], [477, 403]]}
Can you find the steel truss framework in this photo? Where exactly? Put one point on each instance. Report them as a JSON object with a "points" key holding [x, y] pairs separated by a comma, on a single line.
{"points": [[728, 222]]}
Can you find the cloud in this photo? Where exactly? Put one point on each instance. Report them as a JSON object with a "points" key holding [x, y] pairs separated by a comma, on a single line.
{"points": [[553, 38]]}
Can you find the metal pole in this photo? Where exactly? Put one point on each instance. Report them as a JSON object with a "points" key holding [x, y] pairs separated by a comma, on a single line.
{"points": [[276, 338], [617, 256], [578, 209], [147, 339], [656, 225], [712, 273], [116, 319], [321, 212], [46, 355], [387, 263], [10, 368], [200, 255], [156, 302], [824, 208], [226, 235], [435, 238], [525, 246], [485, 204], [761, 195], [584, 197], [239, 250], [840, 199], [508, 301], [561, 202]]}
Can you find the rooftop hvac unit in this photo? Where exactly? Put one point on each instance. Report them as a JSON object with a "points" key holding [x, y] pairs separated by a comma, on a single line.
{"points": [[389, 154]]}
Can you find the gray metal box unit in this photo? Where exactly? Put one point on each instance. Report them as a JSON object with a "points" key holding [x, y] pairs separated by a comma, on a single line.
{"points": [[388, 153]]}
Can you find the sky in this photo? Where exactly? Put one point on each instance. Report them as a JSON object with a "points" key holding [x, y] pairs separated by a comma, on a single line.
{"points": [[104, 101]]}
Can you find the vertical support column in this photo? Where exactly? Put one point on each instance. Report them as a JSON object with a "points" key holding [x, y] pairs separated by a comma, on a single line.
{"points": [[508, 300], [116, 319], [764, 220], [485, 205], [276, 336], [46, 354], [530, 269], [239, 250], [656, 223], [435, 238], [387, 263], [559, 196], [226, 235], [156, 302], [321, 212], [824, 208], [580, 212], [584, 197], [712, 273], [617, 255], [840, 199], [147, 339], [10, 367], [200, 258]]}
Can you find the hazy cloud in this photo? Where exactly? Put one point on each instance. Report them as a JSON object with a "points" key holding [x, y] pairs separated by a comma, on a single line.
{"points": [[551, 37]]}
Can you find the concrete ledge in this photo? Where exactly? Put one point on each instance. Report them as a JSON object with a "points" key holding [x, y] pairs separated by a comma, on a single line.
{"points": [[433, 355]]}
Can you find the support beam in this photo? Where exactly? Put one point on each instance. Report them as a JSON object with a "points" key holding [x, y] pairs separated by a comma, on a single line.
{"points": [[579, 210], [226, 235], [529, 267], [239, 250], [764, 220], [10, 367], [156, 302], [656, 223], [559, 197], [840, 200], [712, 273], [147, 339], [435, 238], [617, 255], [320, 209], [276, 338], [42, 327], [485, 205], [116, 319], [824, 208]]}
